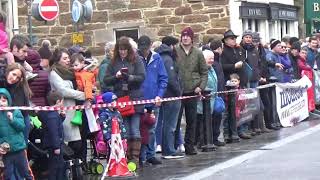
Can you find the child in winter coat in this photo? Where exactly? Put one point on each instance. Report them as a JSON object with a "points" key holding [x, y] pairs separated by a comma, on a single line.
{"points": [[106, 115], [11, 131], [53, 135], [85, 79]]}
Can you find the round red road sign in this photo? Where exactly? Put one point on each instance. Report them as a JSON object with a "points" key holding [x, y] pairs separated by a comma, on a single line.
{"points": [[49, 9]]}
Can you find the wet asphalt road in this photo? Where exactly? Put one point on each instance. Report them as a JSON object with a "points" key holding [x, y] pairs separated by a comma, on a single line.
{"points": [[274, 164], [298, 160]]}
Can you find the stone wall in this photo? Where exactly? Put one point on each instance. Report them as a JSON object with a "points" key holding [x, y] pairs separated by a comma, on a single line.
{"points": [[155, 18]]}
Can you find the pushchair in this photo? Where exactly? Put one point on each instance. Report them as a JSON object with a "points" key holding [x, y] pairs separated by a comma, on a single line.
{"points": [[38, 158]]}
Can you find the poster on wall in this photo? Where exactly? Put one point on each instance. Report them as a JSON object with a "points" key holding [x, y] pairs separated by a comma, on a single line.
{"points": [[292, 101], [247, 105]]}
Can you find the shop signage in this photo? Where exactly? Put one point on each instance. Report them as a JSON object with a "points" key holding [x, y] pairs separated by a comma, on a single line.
{"points": [[284, 13], [311, 10], [250, 10]]}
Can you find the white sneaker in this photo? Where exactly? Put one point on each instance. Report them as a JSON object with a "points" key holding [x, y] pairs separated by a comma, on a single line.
{"points": [[158, 149], [181, 148], [176, 155]]}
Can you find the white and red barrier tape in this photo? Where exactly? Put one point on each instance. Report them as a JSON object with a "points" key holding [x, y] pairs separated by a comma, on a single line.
{"points": [[116, 104]]}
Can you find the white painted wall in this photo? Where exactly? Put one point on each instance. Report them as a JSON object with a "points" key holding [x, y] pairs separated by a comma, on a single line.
{"points": [[266, 31]]}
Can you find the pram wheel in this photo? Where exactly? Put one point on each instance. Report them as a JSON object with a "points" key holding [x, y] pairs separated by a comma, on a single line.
{"points": [[96, 167], [68, 174]]}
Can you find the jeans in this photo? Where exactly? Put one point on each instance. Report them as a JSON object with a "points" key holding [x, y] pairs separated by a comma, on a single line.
{"points": [[169, 113], [56, 166], [243, 128], [149, 151], [17, 163], [159, 129], [190, 106], [26, 130], [132, 124]]}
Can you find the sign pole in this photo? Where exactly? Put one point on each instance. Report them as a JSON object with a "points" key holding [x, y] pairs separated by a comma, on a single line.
{"points": [[28, 2]]}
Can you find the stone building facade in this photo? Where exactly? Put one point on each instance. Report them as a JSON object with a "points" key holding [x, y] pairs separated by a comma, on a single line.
{"points": [[155, 18]]}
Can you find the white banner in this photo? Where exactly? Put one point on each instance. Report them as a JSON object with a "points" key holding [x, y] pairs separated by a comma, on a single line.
{"points": [[292, 101]]}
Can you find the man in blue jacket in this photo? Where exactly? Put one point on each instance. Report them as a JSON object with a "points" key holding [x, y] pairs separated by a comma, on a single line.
{"points": [[154, 87]]}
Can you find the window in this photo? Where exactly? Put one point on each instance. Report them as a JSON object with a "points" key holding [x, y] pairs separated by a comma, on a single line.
{"points": [[129, 32]]}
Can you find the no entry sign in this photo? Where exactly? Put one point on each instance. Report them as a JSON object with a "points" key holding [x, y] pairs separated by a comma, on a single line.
{"points": [[49, 9]]}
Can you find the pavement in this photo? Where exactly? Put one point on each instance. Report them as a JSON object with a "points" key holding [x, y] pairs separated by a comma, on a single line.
{"points": [[263, 156]]}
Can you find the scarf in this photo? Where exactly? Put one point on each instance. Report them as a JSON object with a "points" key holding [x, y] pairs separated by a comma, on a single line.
{"points": [[63, 72]]}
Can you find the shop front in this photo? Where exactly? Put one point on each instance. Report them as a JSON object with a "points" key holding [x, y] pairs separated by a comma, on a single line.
{"points": [[312, 16], [271, 20], [283, 21], [255, 16]]}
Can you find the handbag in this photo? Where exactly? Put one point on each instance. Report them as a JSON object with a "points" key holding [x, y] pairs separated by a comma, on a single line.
{"points": [[219, 106], [77, 118], [125, 110]]}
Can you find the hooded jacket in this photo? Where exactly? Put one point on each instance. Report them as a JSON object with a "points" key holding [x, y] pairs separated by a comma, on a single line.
{"points": [[11, 131], [174, 88], [155, 83]]}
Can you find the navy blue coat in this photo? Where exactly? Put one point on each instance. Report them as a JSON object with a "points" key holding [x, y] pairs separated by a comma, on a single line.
{"points": [[52, 129]]}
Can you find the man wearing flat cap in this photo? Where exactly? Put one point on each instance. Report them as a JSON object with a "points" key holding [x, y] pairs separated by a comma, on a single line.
{"points": [[194, 76]]}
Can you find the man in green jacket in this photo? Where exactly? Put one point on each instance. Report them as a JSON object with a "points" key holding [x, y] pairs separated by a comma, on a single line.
{"points": [[194, 76]]}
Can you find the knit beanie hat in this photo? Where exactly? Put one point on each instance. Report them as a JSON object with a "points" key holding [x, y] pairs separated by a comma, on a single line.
{"points": [[273, 43], [169, 40], [187, 32], [247, 33], [108, 97]]}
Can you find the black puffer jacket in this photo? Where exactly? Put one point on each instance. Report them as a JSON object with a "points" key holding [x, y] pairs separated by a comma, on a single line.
{"points": [[229, 57], [174, 88]]}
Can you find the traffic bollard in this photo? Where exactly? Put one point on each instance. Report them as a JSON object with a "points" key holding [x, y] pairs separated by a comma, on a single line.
{"points": [[207, 124]]}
